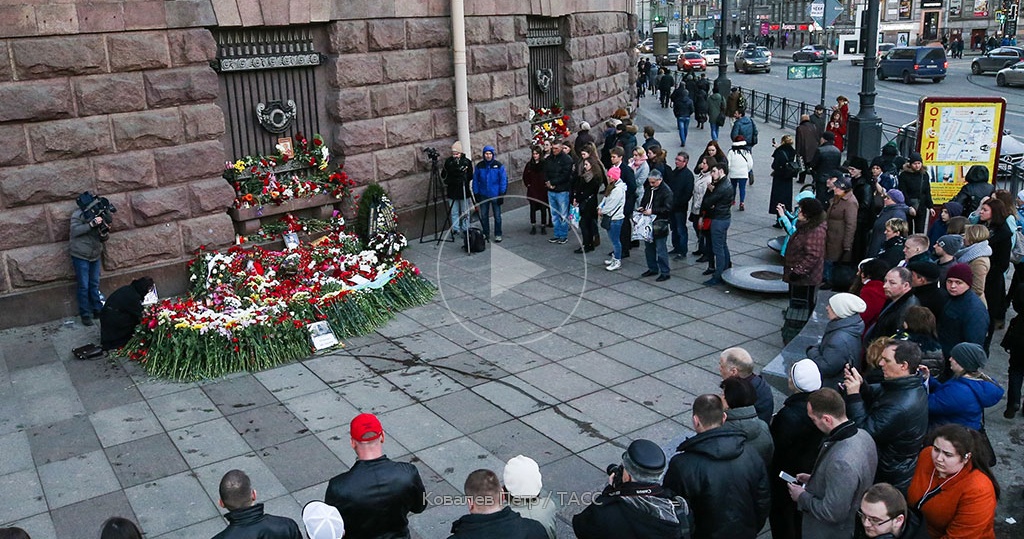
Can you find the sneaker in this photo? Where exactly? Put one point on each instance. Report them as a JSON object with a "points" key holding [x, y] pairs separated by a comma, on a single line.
{"points": [[562, 241], [497, 239], [609, 261], [663, 277], [616, 264], [553, 240]]}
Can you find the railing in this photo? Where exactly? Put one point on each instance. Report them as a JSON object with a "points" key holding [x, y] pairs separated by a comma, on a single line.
{"points": [[786, 112]]}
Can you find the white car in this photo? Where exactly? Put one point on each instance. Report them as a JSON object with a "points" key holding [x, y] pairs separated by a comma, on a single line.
{"points": [[765, 50], [710, 56]]}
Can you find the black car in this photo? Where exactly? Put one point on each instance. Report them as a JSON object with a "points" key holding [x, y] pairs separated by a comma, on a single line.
{"points": [[748, 60], [997, 59]]}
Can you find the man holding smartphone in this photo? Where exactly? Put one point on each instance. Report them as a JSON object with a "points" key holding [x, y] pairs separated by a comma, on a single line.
{"points": [[830, 495]]}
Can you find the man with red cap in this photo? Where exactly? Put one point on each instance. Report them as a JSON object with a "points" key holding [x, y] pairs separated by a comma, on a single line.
{"points": [[376, 495]]}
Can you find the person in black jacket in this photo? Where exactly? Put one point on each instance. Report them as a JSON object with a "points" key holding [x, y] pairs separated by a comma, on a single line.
{"points": [[924, 278], [796, 442], [717, 206], [916, 186], [245, 517], [724, 481], [122, 313], [899, 297], [488, 517], [376, 495], [457, 175], [657, 201], [665, 84], [680, 180], [682, 108], [633, 505], [558, 173], [884, 515], [825, 164], [894, 412], [737, 361], [978, 185], [867, 208]]}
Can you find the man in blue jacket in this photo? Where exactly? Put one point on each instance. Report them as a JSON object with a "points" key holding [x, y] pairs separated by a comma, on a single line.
{"points": [[490, 181]]}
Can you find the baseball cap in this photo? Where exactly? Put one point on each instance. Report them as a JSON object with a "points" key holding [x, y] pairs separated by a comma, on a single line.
{"points": [[322, 521], [365, 428]]}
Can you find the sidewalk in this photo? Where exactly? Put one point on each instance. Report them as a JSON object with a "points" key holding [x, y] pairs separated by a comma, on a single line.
{"points": [[527, 349]]}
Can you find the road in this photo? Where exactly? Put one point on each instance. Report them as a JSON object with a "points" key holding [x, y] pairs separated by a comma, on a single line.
{"points": [[896, 102]]}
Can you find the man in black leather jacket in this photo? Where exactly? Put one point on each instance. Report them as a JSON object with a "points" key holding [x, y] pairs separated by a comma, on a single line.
{"points": [[376, 495], [894, 412], [245, 517], [635, 506], [825, 165]]}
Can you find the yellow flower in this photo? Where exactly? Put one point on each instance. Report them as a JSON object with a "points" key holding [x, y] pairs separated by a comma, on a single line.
{"points": [[181, 325], [239, 165]]}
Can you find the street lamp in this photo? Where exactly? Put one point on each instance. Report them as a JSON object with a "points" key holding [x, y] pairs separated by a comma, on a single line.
{"points": [[724, 85], [865, 129]]}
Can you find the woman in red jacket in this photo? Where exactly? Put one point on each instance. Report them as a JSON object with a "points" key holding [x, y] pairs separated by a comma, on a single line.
{"points": [[871, 277], [953, 486], [837, 126]]}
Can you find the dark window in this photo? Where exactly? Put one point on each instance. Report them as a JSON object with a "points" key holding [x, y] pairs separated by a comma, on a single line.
{"points": [[903, 54], [934, 55]]}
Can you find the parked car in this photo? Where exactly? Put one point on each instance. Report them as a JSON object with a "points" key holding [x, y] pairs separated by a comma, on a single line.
{"points": [[814, 53], [748, 60], [997, 59], [1010, 76], [882, 49], [674, 50], [710, 56], [646, 46], [912, 63], [691, 61]]}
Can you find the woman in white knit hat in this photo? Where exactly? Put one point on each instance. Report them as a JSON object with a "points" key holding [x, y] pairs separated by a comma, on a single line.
{"points": [[840, 344]]}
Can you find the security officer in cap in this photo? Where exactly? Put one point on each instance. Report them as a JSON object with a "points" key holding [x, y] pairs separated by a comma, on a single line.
{"points": [[633, 505]]}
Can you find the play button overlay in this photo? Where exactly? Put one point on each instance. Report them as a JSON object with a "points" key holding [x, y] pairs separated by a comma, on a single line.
{"points": [[516, 292], [509, 269]]}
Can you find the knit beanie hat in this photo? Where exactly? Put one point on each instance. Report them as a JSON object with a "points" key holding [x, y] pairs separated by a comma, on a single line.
{"points": [[954, 209], [322, 521], [896, 195], [806, 376], [614, 173], [951, 243], [457, 147], [522, 477], [969, 355], [961, 271], [845, 304]]}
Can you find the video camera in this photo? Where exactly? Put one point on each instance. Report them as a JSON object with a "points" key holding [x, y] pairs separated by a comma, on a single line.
{"points": [[432, 153], [92, 207]]}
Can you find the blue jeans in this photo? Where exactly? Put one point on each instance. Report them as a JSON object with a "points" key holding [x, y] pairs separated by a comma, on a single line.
{"points": [[613, 234], [719, 245], [714, 130], [87, 275], [680, 235], [559, 203], [459, 216], [485, 213], [657, 255], [684, 128], [739, 186]]}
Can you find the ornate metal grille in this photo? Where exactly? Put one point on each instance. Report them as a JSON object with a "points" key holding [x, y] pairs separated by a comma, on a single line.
{"points": [[268, 85], [544, 37]]}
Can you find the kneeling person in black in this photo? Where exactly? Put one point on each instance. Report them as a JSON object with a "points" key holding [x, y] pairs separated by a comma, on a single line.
{"points": [[122, 312], [634, 506]]}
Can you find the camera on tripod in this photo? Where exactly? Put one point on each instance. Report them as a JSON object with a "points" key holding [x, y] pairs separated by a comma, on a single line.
{"points": [[432, 153], [92, 207]]}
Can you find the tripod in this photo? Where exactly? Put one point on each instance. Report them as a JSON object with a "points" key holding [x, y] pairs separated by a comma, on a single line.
{"points": [[435, 203]]}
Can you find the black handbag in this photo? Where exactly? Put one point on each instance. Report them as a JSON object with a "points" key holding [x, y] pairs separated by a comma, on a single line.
{"points": [[659, 228], [606, 222]]}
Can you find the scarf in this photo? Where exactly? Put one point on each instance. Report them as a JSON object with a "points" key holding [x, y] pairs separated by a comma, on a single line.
{"points": [[972, 252], [636, 163]]}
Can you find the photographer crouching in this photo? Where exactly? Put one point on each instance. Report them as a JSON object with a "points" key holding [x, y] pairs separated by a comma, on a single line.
{"points": [[90, 228], [634, 505]]}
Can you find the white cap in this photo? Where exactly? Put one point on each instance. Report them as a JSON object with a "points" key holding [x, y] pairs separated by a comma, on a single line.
{"points": [[322, 521], [522, 477], [585, 126], [806, 376], [845, 304]]}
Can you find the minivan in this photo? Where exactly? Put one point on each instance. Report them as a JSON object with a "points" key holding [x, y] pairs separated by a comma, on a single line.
{"points": [[912, 63]]}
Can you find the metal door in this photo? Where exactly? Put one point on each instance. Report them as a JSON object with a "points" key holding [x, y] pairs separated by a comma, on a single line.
{"points": [[544, 38]]}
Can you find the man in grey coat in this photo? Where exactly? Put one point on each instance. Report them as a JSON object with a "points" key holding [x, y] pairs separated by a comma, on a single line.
{"points": [[830, 495]]}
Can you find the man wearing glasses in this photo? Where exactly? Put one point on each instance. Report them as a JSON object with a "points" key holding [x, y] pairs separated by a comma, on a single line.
{"points": [[845, 468], [883, 513]]}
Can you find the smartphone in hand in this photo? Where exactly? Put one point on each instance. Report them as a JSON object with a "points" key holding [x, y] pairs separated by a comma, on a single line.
{"points": [[789, 479]]}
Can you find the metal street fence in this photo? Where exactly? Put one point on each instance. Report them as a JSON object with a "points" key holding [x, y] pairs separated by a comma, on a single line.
{"points": [[786, 112]]}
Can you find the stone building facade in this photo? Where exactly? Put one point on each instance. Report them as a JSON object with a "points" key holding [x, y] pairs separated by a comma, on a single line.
{"points": [[120, 98]]}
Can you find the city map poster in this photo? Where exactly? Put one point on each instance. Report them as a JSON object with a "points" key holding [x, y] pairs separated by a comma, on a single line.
{"points": [[956, 133]]}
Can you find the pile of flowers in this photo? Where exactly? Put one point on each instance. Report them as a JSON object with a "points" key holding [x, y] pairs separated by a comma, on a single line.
{"points": [[261, 180], [549, 124], [248, 308], [289, 223]]}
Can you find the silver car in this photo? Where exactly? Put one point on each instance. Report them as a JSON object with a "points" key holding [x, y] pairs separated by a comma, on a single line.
{"points": [[1010, 76]]}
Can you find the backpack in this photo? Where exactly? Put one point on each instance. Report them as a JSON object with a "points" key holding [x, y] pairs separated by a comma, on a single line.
{"points": [[753, 137], [1017, 252], [475, 241]]}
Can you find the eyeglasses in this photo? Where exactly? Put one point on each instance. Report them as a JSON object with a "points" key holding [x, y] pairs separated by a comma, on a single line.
{"points": [[874, 521]]}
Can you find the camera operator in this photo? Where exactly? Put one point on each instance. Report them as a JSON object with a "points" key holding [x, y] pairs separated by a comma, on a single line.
{"points": [[457, 174], [90, 226], [633, 505]]}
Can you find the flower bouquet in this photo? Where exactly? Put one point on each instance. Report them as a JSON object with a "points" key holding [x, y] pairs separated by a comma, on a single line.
{"points": [[549, 124], [248, 308]]}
